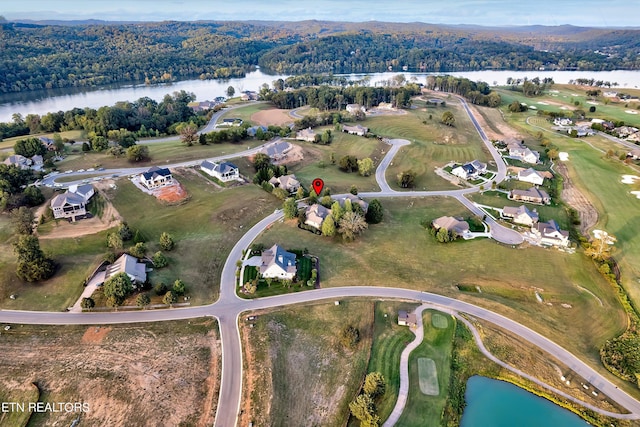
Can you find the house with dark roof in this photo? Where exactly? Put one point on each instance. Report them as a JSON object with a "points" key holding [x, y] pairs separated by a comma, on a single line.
{"points": [[136, 271], [156, 177], [520, 215], [315, 215], [450, 223], [277, 150], [225, 171], [466, 171], [532, 195], [407, 319], [549, 234], [276, 263]]}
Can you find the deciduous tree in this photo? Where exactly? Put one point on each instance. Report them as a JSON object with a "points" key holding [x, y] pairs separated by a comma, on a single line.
{"points": [[351, 225], [375, 212], [365, 166], [117, 288]]}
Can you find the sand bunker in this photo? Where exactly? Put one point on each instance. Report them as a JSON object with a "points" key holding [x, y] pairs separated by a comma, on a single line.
{"points": [[542, 103], [592, 103], [563, 156], [636, 193], [629, 179], [564, 108], [630, 112]]}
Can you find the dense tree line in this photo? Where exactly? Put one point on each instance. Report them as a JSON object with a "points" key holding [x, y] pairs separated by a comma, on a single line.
{"points": [[123, 122], [86, 55]]}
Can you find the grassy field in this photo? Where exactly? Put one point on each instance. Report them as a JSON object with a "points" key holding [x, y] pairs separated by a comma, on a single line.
{"points": [[422, 409], [160, 153], [299, 373], [507, 277], [205, 228], [71, 134], [432, 143], [317, 162], [246, 112]]}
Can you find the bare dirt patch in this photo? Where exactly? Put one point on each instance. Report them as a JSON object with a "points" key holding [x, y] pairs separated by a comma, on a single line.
{"points": [[275, 117], [573, 197], [172, 194], [144, 375], [296, 154]]}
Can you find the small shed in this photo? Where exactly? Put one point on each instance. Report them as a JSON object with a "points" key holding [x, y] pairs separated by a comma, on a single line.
{"points": [[406, 319]]}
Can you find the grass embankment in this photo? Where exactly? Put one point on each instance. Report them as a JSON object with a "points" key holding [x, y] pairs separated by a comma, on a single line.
{"points": [[508, 286], [18, 397], [164, 373], [205, 228], [299, 373], [432, 143], [422, 409]]}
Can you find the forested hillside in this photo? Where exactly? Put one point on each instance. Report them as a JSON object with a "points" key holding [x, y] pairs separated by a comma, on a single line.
{"points": [[48, 56]]}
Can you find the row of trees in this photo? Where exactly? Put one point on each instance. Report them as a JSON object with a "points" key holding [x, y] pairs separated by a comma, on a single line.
{"points": [[32, 263], [364, 406], [478, 93], [15, 190]]}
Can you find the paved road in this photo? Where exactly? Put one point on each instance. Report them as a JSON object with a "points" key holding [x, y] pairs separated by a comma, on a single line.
{"points": [[230, 307]]}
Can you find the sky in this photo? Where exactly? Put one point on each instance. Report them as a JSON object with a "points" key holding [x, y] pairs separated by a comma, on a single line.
{"points": [[594, 13]]}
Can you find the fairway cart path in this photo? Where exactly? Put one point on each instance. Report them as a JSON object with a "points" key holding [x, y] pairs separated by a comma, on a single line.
{"points": [[403, 393]]}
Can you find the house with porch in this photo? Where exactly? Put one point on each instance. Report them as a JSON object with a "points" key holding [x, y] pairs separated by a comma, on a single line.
{"points": [[549, 234], [224, 171], [72, 204], [156, 177], [532, 195], [276, 263]]}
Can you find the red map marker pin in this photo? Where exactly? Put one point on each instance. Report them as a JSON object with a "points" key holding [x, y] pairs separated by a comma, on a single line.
{"points": [[317, 185]]}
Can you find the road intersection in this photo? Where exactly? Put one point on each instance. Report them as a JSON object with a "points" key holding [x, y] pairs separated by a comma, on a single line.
{"points": [[229, 307]]}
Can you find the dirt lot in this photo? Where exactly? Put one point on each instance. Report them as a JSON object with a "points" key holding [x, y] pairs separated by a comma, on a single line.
{"points": [[574, 198], [275, 117], [164, 374], [172, 194]]}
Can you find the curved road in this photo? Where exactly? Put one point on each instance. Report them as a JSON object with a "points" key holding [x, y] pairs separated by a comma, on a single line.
{"points": [[229, 307]]}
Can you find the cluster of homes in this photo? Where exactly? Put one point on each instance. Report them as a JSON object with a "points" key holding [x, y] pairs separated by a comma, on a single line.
{"points": [[34, 163], [545, 233], [207, 105], [309, 135]]}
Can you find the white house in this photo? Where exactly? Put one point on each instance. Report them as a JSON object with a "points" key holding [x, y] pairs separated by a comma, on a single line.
{"points": [[127, 264], [520, 215], [355, 108], [278, 263], [156, 177], [73, 202], [530, 175], [355, 130], [307, 134], [550, 234], [224, 171], [466, 171], [524, 154]]}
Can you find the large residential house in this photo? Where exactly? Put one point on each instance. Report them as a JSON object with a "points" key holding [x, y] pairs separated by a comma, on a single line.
{"points": [[224, 171], [355, 130], [73, 203], [278, 264], [550, 234], [524, 154], [470, 170], [530, 175], [277, 150], [355, 108], [532, 195], [286, 182], [450, 223], [315, 215], [307, 134], [355, 200], [156, 177], [520, 215], [18, 161], [136, 271]]}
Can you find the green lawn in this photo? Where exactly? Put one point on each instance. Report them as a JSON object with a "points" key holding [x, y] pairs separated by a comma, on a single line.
{"points": [[205, 228], [317, 162], [301, 373], [422, 409], [399, 252], [246, 112], [432, 144]]}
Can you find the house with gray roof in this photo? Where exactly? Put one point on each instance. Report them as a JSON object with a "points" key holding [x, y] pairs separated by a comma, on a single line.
{"points": [[276, 263], [156, 177], [224, 171], [549, 234], [524, 154], [450, 223], [128, 264], [520, 215], [286, 182], [531, 175], [307, 134], [68, 205], [355, 200], [85, 190], [355, 130], [315, 215], [277, 150], [532, 195], [18, 160]]}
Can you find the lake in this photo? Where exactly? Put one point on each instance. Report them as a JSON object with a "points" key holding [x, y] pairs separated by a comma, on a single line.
{"points": [[43, 101], [493, 403]]}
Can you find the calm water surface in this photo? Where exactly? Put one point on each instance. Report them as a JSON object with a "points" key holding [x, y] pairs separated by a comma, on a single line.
{"points": [[493, 403], [42, 102]]}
